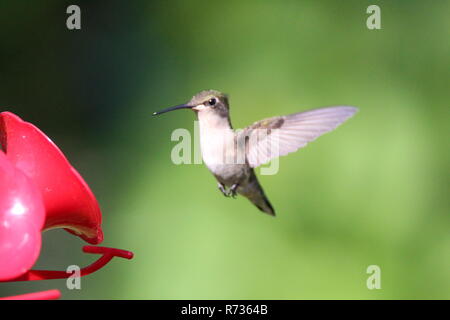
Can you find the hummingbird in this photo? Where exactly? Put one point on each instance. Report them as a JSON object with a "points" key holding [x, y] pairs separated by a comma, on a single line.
{"points": [[231, 155]]}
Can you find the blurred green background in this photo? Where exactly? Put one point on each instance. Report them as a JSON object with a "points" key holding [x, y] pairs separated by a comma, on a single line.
{"points": [[374, 192]]}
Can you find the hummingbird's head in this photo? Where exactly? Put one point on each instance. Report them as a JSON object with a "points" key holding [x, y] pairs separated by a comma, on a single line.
{"points": [[205, 102]]}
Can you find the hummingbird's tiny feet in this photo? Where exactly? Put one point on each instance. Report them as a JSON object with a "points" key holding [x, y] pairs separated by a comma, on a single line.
{"points": [[233, 191], [222, 188]]}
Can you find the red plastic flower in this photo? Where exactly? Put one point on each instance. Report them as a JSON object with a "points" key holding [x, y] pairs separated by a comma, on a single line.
{"points": [[69, 202], [40, 190]]}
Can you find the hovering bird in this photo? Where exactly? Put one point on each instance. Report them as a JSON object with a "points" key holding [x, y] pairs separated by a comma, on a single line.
{"points": [[231, 155]]}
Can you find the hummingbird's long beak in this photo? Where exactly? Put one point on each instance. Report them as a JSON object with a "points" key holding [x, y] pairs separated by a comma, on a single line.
{"points": [[181, 106]]}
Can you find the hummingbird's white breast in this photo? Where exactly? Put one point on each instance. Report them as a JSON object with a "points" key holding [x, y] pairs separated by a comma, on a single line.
{"points": [[217, 144]]}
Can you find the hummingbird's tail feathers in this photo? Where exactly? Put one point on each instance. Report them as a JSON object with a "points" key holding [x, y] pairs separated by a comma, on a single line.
{"points": [[264, 205], [255, 193]]}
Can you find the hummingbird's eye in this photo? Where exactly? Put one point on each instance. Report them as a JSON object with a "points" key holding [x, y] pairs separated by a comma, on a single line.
{"points": [[212, 102]]}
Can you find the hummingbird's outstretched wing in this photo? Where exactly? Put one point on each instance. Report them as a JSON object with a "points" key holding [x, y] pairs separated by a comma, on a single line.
{"points": [[278, 136]]}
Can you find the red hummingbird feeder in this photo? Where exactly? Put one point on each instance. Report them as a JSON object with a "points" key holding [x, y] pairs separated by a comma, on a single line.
{"points": [[40, 190]]}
